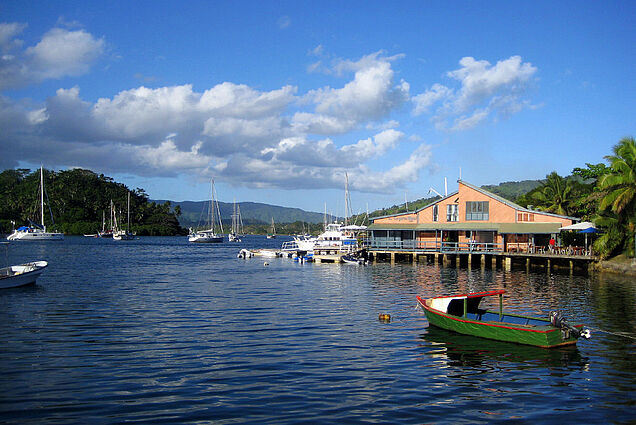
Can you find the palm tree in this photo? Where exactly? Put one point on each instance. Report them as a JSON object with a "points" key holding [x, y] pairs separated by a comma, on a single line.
{"points": [[619, 195], [555, 194]]}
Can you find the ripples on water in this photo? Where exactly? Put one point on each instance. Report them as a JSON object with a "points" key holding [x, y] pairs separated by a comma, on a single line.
{"points": [[161, 331]]}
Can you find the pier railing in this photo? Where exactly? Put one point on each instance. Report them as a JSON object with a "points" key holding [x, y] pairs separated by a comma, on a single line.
{"points": [[433, 246], [475, 247]]}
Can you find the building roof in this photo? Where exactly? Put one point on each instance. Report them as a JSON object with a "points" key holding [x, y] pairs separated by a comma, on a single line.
{"points": [[512, 204], [484, 192]]}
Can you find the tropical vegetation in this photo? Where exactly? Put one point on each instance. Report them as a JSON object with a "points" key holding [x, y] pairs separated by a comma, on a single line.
{"points": [[603, 194], [76, 200]]}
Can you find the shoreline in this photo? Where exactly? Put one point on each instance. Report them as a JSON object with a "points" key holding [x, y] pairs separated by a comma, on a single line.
{"points": [[619, 264]]}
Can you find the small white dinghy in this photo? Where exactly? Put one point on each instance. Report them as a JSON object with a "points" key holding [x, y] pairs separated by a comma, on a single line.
{"points": [[20, 275]]}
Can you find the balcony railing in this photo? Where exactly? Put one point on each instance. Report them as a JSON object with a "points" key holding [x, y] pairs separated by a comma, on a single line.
{"points": [[433, 246]]}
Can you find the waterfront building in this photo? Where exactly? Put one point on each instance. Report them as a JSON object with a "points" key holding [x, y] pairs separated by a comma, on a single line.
{"points": [[470, 219]]}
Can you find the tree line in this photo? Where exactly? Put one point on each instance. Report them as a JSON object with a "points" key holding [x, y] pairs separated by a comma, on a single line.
{"points": [[604, 194], [76, 200]]}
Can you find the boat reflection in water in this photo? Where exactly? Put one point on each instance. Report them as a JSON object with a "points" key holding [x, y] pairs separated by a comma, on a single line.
{"points": [[467, 350]]}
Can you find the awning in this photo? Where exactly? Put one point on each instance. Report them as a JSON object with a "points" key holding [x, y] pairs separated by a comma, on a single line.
{"points": [[579, 226]]}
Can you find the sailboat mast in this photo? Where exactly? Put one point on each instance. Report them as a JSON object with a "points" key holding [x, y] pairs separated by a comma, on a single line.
{"points": [[42, 195], [346, 219], [128, 219]]}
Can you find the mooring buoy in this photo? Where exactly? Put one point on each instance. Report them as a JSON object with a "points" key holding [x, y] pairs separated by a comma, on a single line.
{"points": [[384, 317]]}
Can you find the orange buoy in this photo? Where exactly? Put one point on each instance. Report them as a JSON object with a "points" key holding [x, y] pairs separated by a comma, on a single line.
{"points": [[384, 317]]}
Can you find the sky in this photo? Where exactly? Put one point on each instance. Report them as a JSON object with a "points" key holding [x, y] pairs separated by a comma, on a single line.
{"points": [[279, 100]]}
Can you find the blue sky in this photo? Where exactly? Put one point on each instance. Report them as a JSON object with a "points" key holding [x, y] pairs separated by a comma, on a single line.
{"points": [[277, 100]]}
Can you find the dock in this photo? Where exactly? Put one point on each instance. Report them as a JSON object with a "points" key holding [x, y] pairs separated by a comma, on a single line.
{"points": [[490, 258]]}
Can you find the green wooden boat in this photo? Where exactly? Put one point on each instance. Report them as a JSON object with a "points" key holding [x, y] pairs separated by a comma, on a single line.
{"points": [[461, 313]]}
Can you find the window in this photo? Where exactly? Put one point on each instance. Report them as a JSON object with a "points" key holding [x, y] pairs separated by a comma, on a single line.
{"points": [[477, 210], [435, 212], [525, 216], [452, 212]]}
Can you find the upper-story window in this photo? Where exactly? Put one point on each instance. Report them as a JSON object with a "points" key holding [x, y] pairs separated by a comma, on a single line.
{"points": [[525, 216], [452, 212], [435, 213], [477, 210]]}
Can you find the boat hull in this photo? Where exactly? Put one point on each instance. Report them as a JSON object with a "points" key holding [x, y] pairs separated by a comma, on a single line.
{"points": [[205, 239], [546, 336], [35, 236], [21, 275]]}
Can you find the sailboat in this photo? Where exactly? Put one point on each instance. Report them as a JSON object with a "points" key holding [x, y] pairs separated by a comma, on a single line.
{"points": [[237, 224], [272, 233], [36, 232], [209, 235], [121, 234]]}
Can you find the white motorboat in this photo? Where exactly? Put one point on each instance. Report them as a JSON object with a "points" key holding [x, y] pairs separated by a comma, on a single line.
{"points": [[36, 232], [213, 213], [22, 274]]}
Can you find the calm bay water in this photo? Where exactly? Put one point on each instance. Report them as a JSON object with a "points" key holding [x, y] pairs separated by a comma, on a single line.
{"points": [[157, 330]]}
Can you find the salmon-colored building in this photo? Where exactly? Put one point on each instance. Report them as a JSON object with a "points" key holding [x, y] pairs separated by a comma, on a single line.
{"points": [[469, 219]]}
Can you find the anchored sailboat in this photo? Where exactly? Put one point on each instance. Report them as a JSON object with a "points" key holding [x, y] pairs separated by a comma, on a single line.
{"points": [[121, 234], [209, 235], [36, 232], [237, 224]]}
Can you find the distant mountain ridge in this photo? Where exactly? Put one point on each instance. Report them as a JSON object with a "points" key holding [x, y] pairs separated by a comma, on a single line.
{"points": [[260, 213], [251, 213]]}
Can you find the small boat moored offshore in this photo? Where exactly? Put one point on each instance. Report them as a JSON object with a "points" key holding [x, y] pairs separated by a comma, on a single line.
{"points": [[461, 313], [20, 275]]}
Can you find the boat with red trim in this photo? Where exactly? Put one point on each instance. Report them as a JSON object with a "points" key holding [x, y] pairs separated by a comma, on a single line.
{"points": [[461, 313]]}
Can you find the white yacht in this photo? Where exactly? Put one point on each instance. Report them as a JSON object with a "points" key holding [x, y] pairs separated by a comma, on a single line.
{"points": [[36, 232]]}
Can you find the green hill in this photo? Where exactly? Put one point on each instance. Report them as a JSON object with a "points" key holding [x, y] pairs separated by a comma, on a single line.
{"points": [[251, 213]]}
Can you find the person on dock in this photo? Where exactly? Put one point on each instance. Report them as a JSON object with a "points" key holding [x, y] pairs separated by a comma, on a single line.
{"points": [[551, 244]]}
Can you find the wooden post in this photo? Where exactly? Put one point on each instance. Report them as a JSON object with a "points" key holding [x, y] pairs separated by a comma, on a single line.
{"points": [[528, 264], [508, 264], [465, 306], [548, 265], [393, 258], [571, 266], [494, 262], [436, 260], [483, 261], [470, 259]]}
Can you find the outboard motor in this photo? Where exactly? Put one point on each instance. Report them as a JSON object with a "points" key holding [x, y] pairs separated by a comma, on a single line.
{"points": [[558, 321]]}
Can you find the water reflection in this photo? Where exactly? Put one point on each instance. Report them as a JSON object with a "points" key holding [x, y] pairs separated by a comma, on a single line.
{"points": [[466, 350]]}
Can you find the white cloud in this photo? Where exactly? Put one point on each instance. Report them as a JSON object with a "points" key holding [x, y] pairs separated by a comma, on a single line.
{"points": [[371, 95], [59, 53], [270, 138], [484, 90], [425, 100], [8, 32]]}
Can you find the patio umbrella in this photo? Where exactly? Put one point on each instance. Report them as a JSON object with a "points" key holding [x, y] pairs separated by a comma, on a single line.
{"points": [[586, 231]]}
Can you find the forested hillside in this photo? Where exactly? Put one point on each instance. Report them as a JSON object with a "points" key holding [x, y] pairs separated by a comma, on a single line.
{"points": [[75, 202]]}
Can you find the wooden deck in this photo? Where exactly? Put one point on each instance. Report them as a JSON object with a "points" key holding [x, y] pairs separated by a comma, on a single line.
{"points": [[548, 260]]}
